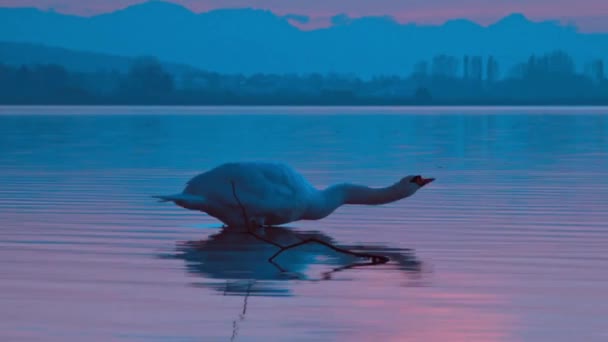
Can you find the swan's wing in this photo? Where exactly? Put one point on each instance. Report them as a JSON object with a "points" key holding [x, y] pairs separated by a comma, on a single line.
{"points": [[263, 189]]}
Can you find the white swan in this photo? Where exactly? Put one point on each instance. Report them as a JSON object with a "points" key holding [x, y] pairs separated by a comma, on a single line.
{"points": [[275, 194]]}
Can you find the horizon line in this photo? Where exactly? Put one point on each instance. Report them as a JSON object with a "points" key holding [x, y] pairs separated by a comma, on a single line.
{"points": [[42, 110]]}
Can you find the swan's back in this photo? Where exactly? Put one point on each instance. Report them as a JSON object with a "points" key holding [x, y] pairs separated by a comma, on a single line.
{"points": [[271, 191]]}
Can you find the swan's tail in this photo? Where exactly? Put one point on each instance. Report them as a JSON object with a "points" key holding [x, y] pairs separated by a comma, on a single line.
{"points": [[183, 200]]}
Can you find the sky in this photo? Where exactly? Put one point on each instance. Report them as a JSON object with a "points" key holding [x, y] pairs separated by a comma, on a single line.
{"points": [[588, 15]]}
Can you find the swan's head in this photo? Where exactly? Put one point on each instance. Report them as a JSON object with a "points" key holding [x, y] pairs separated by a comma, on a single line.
{"points": [[410, 184]]}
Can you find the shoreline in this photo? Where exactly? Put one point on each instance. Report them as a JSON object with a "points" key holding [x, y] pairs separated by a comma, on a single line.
{"points": [[294, 110]]}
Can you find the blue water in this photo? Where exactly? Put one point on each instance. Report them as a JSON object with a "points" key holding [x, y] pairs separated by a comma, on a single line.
{"points": [[509, 243]]}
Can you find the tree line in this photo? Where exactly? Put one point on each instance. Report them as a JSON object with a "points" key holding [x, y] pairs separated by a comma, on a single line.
{"points": [[549, 79]]}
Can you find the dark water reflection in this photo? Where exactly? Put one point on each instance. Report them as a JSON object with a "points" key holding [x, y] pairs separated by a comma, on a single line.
{"points": [[510, 240], [242, 260]]}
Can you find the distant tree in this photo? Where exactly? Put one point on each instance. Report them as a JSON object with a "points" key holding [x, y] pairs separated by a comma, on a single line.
{"points": [[147, 80], [595, 71], [476, 69], [550, 77], [546, 79], [420, 72], [23, 76], [491, 70], [422, 96], [445, 66], [551, 65], [52, 76], [518, 71], [559, 62], [7, 82]]}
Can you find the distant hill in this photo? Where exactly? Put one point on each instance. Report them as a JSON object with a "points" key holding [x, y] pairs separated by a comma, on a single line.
{"points": [[250, 41], [17, 54], [30, 54]]}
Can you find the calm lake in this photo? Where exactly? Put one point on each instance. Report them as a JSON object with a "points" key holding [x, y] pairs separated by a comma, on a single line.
{"points": [[509, 243]]}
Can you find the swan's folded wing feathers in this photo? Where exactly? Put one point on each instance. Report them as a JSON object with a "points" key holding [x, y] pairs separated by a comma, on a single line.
{"points": [[271, 191], [263, 189]]}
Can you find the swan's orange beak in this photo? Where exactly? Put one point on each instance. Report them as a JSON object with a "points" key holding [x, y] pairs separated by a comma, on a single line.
{"points": [[424, 181]]}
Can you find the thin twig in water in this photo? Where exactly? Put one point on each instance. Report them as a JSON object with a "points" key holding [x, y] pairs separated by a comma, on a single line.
{"points": [[375, 259], [245, 301], [235, 324], [327, 275], [238, 201], [248, 224]]}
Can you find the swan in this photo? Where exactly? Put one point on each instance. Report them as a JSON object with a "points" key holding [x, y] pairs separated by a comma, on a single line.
{"points": [[275, 194]]}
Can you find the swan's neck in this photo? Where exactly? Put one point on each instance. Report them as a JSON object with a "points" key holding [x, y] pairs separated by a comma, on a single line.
{"points": [[359, 194], [327, 201]]}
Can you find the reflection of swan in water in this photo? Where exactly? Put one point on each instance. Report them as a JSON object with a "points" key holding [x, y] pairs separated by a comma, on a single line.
{"points": [[236, 262]]}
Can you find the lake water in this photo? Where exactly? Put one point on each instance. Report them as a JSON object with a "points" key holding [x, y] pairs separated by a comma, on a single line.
{"points": [[508, 244]]}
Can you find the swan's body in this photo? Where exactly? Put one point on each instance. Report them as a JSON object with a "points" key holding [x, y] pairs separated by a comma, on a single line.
{"points": [[275, 194]]}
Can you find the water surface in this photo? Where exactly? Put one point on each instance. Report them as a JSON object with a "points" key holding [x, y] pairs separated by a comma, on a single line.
{"points": [[509, 244]]}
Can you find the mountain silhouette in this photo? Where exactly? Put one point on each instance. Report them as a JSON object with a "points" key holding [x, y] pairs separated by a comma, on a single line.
{"points": [[17, 54], [251, 41]]}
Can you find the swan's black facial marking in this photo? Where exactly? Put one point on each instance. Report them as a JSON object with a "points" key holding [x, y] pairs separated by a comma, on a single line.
{"points": [[421, 181], [416, 179]]}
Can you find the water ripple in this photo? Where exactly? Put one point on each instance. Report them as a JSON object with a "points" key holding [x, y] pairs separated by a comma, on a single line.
{"points": [[508, 244]]}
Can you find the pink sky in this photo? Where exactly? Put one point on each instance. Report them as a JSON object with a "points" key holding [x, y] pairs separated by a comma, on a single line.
{"points": [[588, 15]]}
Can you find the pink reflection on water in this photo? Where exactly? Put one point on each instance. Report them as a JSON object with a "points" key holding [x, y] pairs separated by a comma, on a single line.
{"points": [[509, 253]]}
